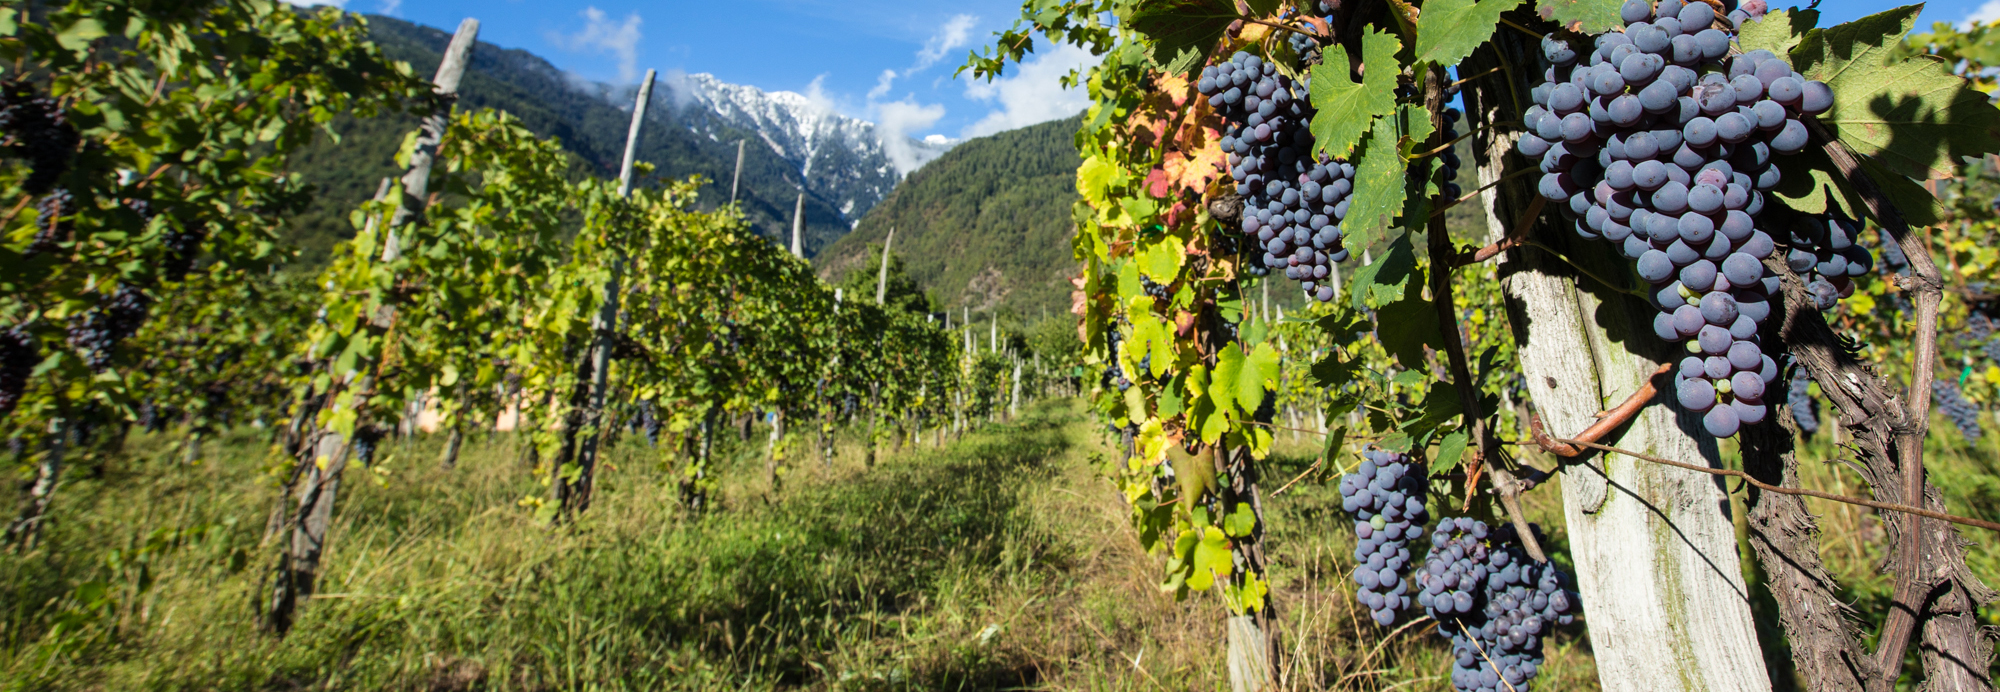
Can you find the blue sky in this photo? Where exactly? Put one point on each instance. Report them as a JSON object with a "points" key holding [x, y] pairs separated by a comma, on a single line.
{"points": [[838, 51]]}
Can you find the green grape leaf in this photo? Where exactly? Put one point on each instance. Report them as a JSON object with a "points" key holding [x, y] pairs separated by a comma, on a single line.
{"points": [[1910, 114], [1129, 286], [1779, 31], [1378, 188], [1240, 521], [1172, 400], [1441, 404], [1809, 186], [1406, 327], [1449, 30], [79, 34], [1450, 448], [1384, 281], [1259, 373], [1162, 260], [1583, 16], [1918, 206], [1336, 440], [1211, 559], [1347, 109], [1094, 179], [1225, 383], [1182, 25]]}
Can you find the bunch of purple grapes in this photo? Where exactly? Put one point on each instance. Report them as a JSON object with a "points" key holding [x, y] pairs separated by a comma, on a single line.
{"points": [[1449, 159], [99, 330], [1827, 252], [1661, 143], [1804, 412], [1493, 602], [18, 357], [1293, 203], [1114, 374], [1386, 496], [1962, 412], [53, 220], [34, 127]]}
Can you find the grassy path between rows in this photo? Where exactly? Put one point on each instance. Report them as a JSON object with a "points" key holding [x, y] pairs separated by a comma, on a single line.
{"points": [[1003, 560]]}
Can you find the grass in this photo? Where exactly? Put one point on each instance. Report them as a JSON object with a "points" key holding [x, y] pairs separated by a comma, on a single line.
{"points": [[999, 561]]}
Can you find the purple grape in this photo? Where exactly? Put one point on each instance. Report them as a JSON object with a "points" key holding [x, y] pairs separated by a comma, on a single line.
{"points": [[1719, 309], [1721, 421], [1688, 321], [1789, 140], [1655, 267], [1747, 385], [1695, 395], [1815, 98]]}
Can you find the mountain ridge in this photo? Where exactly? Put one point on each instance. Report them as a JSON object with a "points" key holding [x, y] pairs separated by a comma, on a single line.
{"points": [[985, 227], [841, 181]]}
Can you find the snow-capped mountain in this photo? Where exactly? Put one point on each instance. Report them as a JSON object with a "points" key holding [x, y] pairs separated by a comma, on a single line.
{"points": [[847, 162]]}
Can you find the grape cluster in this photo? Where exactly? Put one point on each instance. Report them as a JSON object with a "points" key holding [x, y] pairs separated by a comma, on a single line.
{"points": [[18, 357], [649, 420], [1493, 602], [1946, 395], [183, 244], [1827, 252], [53, 220], [97, 332], [1449, 161], [1661, 145], [1803, 411], [1386, 496], [366, 439], [34, 127], [1156, 290], [1114, 374], [1293, 203]]}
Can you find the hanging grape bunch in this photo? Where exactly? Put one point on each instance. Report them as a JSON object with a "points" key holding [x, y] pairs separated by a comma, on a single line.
{"points": [[1952, 402], [97, 332], [1493, 602], [1114, 374], [1449, 161], [54, 215], [34, 127], [1293, 203], [1386, 496], [1826, 251], [1803, 412], [1661, 143], [18, 356]]}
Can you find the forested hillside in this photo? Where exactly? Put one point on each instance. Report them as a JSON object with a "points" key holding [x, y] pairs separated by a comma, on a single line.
{"points": [[986, 226], [551, 104]]}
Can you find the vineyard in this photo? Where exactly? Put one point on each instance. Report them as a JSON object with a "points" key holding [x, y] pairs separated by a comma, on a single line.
{"points": [[1416, 344]]}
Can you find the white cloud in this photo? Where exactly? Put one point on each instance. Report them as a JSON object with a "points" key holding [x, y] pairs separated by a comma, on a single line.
{"points": [[1985, 14], [678, 87], [602, 35], [1034, 94], [889, 77], [389, 7], [894, 123], [310, 3], [952, 35], [817, 96]]}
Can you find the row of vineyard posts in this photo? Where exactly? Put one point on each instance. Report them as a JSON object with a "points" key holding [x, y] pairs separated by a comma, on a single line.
{"points": [[490, 279], [1669, 196]]}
